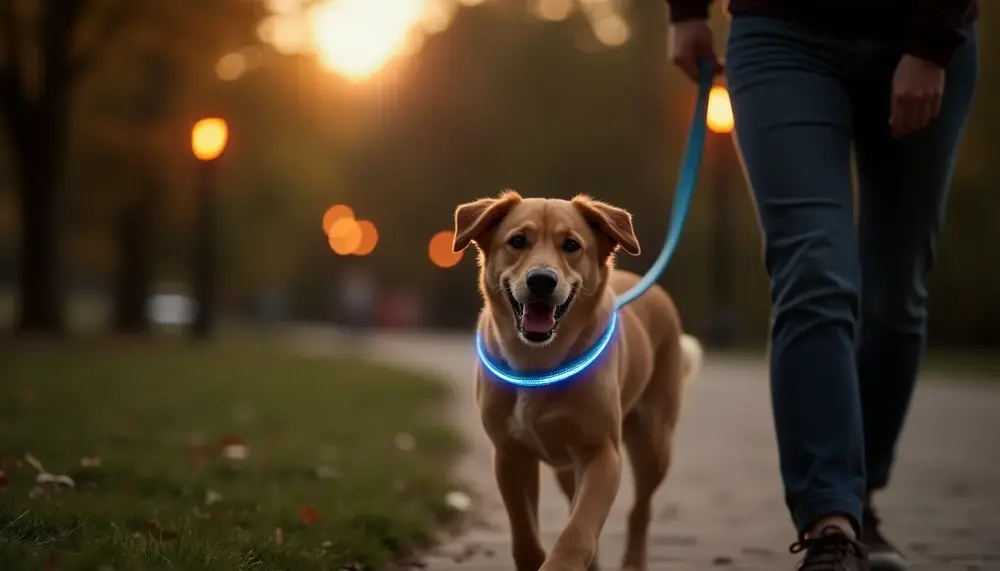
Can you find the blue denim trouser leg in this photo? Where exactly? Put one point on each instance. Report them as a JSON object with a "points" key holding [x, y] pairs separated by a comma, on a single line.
{"points": [[802, 99], [903, 187]]}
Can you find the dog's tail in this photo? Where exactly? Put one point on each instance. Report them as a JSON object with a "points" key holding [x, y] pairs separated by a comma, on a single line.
{"points": [[692, 355]]}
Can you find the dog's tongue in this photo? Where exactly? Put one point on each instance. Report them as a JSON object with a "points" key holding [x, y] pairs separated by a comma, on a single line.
{"points": [[538, 318]]}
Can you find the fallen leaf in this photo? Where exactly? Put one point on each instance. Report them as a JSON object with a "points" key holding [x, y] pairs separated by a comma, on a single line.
{"points": [[212, 497], [34, 462], [50, 562], [458, 501], [279, 536], [235, 452], [55, 480], [309, 516], [90, 462], [405, 442], [325, 472], [3, 479]]}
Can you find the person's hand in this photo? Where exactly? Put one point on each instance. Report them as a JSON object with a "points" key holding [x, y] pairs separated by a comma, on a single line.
{"points": [[690, 41], [917, 88]]}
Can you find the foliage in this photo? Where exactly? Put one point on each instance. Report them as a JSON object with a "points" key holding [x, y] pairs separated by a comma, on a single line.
{"points": [[499, 99]]}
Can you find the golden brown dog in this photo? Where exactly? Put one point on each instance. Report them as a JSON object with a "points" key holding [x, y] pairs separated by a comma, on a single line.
{"points": [[548, 284]]}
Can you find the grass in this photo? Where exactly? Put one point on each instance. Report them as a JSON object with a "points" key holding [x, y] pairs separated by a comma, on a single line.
{"points": [[327, 481]]}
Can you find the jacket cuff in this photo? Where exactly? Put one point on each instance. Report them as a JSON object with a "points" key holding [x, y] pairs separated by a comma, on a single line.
{"points": [[683, 10], [937, 48]]}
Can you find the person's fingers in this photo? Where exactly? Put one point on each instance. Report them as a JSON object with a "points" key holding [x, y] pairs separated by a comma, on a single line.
{"points": [[902, 114], [935, 105], [922, 112]]}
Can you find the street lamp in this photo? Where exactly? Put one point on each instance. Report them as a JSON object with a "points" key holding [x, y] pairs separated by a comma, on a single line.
{"points": [[208, 141], [719, 120]]}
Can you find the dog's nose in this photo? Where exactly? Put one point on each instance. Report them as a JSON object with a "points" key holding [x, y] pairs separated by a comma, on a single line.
{"points": [[542, 281]]}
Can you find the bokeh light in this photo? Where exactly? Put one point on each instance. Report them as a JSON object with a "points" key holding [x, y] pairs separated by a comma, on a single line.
{"points": [[720, 111], [231, 66], [334, 213], [552, 10], [612, 30], [357, 37], [345, 236], [440, 250], [208, 138], [369, 238]]}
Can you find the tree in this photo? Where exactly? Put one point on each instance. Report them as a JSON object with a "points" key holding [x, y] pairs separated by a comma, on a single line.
{"points": [[40, 63]]}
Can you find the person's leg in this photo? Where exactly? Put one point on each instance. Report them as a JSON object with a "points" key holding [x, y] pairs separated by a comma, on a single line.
{"points": [[903, 185], [794, 120]]}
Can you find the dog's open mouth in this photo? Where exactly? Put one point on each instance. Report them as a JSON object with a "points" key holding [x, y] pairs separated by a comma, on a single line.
{"points": [[537, 320]]}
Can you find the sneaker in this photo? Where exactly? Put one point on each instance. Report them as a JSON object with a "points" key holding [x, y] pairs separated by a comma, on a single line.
{"points": [[882, 555], [831, 550]]}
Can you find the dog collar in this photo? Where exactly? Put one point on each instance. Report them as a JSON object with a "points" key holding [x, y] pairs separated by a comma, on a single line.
{"points": [[545, 378]]}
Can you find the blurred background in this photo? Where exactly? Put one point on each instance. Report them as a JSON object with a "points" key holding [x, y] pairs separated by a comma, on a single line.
{"points": [[290, 161]]}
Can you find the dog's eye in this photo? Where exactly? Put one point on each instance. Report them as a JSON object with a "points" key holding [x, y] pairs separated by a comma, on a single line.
{"points": [[570, 246], [518, 242]]}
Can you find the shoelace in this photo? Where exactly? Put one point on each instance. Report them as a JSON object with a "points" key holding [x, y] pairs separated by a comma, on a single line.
{"points": [[827, 551]]}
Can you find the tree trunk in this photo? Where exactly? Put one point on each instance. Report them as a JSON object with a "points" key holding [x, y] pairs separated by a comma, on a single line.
{"points": [[134, 277], [40, 283]]}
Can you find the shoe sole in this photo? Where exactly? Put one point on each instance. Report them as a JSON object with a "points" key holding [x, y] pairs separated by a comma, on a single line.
{"points": [[887, 562]]}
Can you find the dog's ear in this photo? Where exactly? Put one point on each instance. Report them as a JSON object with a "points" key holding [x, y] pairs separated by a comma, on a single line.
{"points": [[611, 221], [472, 219]]}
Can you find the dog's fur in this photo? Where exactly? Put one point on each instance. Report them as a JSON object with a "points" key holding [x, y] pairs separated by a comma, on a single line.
{"points": [[631, 397]]}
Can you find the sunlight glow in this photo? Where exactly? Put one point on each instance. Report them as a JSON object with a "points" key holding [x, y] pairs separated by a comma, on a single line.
{"points": [[358, 37], [720, 111]]}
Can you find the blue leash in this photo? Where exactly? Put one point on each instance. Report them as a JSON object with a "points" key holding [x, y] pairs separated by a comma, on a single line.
{"points": [[686, 183]]}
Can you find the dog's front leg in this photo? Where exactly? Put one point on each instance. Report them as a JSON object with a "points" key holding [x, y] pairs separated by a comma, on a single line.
{"points": [[517, 477], [600, 476]]}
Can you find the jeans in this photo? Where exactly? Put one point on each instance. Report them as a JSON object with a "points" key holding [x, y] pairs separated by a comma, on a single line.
{"points": [[849, 298]]}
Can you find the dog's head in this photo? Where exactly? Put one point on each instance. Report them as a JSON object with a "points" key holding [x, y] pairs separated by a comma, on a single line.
{"points": [[538, 257]]}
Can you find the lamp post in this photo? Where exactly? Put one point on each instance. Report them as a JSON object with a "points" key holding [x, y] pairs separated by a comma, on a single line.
{"points": [[720, 122], [208, 141]]}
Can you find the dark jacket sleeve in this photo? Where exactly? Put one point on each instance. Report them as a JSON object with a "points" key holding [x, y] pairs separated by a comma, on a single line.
{"points": [[938, 28], [681, 10]]}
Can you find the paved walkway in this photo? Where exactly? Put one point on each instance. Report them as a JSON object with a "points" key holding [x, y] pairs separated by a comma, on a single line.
{"points": [[721, 505]]}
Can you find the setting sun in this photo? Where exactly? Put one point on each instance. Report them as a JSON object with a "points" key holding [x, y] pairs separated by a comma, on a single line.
{"points": [[357, 37]]}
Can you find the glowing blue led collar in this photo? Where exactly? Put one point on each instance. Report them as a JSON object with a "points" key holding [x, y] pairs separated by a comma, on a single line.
{"points": [[686, 183], [564, 372]]}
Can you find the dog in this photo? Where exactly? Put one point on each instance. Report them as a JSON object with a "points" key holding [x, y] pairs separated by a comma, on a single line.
{"points": [[547, 279]]}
